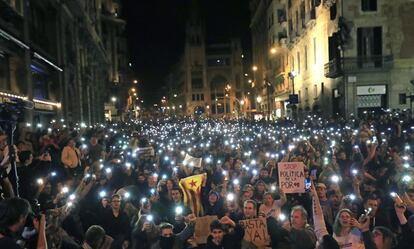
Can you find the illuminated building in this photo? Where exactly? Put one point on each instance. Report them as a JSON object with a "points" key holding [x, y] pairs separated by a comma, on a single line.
{"points": [[62, 55], [349, 56]]}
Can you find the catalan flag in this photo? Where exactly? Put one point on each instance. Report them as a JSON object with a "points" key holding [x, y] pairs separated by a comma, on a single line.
{"points": [[191, 187]]}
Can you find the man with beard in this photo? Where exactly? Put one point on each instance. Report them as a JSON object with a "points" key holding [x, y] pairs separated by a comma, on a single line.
{"points": [[169, 240], [220, 239], [13, 215]]}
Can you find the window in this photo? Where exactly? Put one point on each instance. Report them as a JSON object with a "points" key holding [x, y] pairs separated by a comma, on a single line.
{"points": [[369, 41], [369, 5], [306, 57], [196, 83], [403, 98], [298, 57], [315, 90], [281, 15], [202, 97], [194, 97], [297, 21]]}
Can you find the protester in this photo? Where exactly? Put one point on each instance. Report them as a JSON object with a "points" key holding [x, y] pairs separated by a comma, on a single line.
{"points": [[129, 179], [220, 237]]}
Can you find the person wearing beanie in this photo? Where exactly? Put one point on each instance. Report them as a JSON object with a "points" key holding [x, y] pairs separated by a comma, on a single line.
{"points": [[214, 205]]}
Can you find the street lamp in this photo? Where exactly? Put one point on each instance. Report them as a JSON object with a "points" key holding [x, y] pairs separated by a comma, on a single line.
{"points": [[292, 75], [133, 89], [273, 50], [254, 68], [113, 99], [259, 99], [135, 81], [293, 99]]}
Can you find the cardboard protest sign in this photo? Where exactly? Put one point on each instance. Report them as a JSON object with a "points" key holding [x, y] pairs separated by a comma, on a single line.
{"points": [[202, 228], [255, 231], [192, 161], [291, 177]]}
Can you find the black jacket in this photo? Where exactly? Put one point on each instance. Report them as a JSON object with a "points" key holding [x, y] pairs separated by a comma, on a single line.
{"points": [[230, 241]]}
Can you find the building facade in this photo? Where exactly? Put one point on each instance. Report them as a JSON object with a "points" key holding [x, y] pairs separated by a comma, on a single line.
{"points": [[338, 57], [62, 55], [208, 79]]}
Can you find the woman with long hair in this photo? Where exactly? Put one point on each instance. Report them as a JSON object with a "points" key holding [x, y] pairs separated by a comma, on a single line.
{"points": [[346, 232], [383, 238]]}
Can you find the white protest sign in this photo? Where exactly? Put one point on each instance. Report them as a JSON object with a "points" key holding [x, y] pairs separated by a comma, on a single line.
{"points": [[192, 161], [291, 177], [145, 151]]}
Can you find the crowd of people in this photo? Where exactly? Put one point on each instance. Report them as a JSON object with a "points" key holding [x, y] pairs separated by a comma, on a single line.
{"points": [[116, 185]]}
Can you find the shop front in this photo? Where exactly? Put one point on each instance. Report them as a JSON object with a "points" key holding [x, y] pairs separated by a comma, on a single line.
{"points": [[371, 98]]}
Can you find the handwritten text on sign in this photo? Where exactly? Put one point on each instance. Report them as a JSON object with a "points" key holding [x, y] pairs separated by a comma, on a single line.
{"points": [[292, 177], [255, 231]]}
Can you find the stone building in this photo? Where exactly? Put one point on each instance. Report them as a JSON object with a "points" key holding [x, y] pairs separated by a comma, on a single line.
{"points": [[208, 78], [338, 57], [62, 55]]}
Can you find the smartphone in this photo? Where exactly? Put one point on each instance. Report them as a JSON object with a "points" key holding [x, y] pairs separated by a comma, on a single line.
{"points": [[314, 172], [308, 184]]}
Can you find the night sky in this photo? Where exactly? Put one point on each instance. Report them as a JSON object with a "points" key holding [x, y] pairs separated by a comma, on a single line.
{"points": [[156, 32]]}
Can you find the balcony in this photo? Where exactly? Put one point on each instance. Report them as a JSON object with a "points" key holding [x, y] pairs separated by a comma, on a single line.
{"points": [[282, 38], [338, 67]]}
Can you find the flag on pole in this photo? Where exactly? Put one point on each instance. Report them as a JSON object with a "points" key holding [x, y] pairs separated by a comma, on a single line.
{"points": [[192, 161], [191, 187]]}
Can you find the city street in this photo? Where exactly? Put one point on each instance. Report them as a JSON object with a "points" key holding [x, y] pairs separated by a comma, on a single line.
{"points": [[206, 124]]}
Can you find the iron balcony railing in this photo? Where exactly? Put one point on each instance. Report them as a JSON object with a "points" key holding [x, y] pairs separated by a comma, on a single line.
{"points": [[339, 66]]}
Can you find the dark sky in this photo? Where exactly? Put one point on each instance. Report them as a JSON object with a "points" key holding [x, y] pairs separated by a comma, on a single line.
{"points": [[156, 31]]}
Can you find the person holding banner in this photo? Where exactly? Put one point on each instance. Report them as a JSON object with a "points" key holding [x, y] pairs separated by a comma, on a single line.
{"points": [[270, 206], [224, 234], [275, 235]]}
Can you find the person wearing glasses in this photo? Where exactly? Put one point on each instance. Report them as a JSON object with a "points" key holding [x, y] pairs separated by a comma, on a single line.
{"points": [[116, 223]]}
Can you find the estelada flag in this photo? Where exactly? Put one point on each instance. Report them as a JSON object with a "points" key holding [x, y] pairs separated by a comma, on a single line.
{"points": [[191, 187]]}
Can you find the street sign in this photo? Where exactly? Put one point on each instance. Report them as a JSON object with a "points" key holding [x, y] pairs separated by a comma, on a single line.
{"points": [[293, 99]]}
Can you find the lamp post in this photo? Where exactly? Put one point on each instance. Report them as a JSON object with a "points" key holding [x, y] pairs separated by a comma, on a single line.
{"points": [[268, 88], [259, 99], [292, 74], [226, 94], [253, 84]]}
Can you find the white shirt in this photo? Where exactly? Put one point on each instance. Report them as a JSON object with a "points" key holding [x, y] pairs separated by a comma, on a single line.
{"points": [[351, 241]]}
